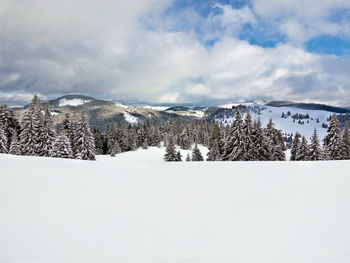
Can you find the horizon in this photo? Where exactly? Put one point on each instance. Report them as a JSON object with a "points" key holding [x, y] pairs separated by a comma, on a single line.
{"points": [[176, 51]]}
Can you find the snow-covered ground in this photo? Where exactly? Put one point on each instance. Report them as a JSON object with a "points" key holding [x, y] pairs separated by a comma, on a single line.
{"points": [[72, 102], [130, 118], [286, 124], [137, 208]]}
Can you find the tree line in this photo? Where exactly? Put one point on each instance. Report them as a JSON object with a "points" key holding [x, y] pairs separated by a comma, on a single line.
{"points": [[243, 140], [36, 135]]}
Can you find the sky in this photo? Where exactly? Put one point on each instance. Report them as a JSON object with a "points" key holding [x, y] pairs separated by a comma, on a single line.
{"points": [[176, 51]]}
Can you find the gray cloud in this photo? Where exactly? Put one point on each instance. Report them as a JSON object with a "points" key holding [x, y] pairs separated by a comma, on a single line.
{"points": [[102, 48]]}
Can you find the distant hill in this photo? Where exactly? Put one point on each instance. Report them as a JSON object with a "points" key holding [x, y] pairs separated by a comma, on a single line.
{"points": [[308, 106]]}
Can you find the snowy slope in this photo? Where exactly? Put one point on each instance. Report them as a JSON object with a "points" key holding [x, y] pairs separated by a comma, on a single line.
{"points": [[72, 102], [119, 210], [287, 125]]}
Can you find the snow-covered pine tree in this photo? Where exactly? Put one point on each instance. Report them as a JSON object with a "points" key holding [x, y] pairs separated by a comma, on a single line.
{"points": [[275, 139], [333, 141], [48, 133], [3, 140], [170, 152], [84, 146], [116, 149], [315, 152], [145, 143], [98, 139], [196, 154], [261, 148], [214, 153], [188, 158], [111, 136], [235, 140], [61, 147], [31, 141], [346, 143], [295, 146], [303, 151], [9, 123], [14, 147], [68, 129], [248, 137], [185, 139]]}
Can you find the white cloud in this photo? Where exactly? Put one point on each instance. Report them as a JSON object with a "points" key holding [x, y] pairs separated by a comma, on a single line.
{"points": [[102, 48]]}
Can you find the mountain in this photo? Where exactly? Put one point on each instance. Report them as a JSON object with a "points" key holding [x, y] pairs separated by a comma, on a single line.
{"points": [[288, 116], [100, 112]]}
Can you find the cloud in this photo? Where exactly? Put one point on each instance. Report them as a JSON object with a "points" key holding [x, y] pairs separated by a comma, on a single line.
{"points": [[125, 51]]}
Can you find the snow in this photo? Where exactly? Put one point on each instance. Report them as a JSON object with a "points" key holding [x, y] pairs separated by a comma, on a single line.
{"points": [[136, 208], [287, 125], [72, 102], [157, 108], [121, 105], [129, 118]]}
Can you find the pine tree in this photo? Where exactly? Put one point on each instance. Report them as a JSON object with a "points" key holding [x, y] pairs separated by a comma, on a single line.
{"points": [[333, 141], [248, 144], [303, 151], [179, 156], [346, 143], [15, 148], [170, 155], [68, 129], [116, 149], [3, 141], [48, 134], [61, 147], [31, 140], [214, 153], [235, 140], [295, 146], [276, 142], [84, 146], [185, 140], [261, 150], [196, 154], [111, 136], [315, 153], [9, 123], [188, 158]]}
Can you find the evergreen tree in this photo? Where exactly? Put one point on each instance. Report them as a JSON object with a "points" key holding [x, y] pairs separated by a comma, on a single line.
{"points": [[111, 136], [3, 140], [214, 153], [303, 151], [196, 154], [15, 148], [249, 140], [48, 133], [170, 155], [84, 146], [31, 140], [315, 153], [235, 140], [185, 139], [98, 139], [261, 150], [68, 129], [295, 146], [346, 143], [188, 158], [276, 142], [179, 156], [9, 123], [116, 149], [333, 141], [61, 147]]}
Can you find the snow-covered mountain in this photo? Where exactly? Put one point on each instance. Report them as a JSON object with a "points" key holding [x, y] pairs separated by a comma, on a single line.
{"points": [[287, 116]]}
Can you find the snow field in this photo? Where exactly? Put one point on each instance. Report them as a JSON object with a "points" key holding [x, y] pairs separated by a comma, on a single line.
{"points": [[137, 208]]}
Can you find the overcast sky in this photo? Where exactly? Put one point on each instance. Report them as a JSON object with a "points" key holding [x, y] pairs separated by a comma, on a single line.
{"points": [[166, 51]]}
